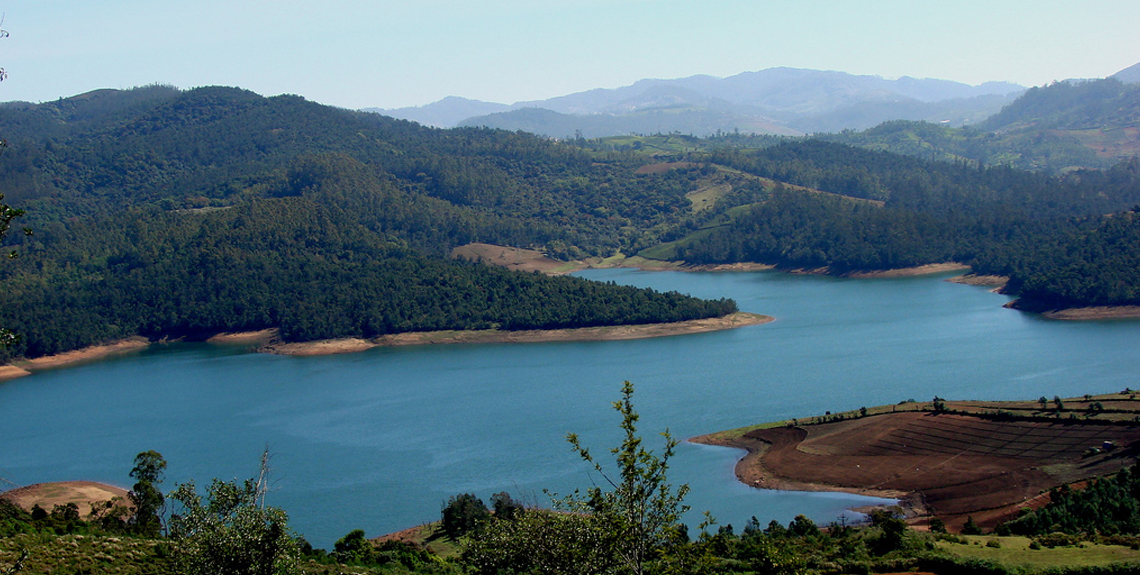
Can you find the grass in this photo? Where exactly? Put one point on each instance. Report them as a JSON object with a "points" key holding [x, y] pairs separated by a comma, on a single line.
{"points": [[92, 555], [668, 250], [705, 197], [1016, 551]]}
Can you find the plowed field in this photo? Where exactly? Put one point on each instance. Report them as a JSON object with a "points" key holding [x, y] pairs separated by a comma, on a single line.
{"points": [[953, 466]]}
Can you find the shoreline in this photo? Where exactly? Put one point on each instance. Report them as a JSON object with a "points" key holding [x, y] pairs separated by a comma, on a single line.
{"points": [[265, 340], [1089, 313], [1094, 313], [750, 470], [607, 333], [24, 367]]}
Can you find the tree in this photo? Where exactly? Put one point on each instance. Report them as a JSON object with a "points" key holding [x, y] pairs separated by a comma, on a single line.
{"points": [[641, 513], [971, 528], [231, 530], [353, 548], [504, 507], [463, 514], [147, 500]]}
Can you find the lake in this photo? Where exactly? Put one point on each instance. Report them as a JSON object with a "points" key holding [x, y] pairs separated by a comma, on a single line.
{"points": [[379, 440]]}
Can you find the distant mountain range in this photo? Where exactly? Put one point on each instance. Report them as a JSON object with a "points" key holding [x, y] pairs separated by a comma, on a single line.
{"points": [[786, 101]]}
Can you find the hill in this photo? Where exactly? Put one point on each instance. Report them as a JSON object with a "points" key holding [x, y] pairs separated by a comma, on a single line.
{"points": [[183, 214]]}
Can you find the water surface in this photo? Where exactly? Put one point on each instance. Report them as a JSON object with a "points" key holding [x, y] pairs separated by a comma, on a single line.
{"points": [[378, 440]]}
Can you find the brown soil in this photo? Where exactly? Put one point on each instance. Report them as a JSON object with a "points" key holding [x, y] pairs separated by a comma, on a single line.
{"points": [[951, 466], [48, 495], [612, 333]]}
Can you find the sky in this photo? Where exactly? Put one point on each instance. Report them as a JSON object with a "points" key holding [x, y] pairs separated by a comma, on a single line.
{"points": [[389, 54]]}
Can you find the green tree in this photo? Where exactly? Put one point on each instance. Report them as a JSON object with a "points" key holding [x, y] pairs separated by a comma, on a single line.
{"points": [[971, 528], [149, 503], [462, 514], [641, 512], [353, 548], [505, 507], [231, 530]]}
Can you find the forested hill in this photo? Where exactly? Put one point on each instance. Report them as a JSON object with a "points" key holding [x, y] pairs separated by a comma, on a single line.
{"points": [[170, 214], [92, 154]]}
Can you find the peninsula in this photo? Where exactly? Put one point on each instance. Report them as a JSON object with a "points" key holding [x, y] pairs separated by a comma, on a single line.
{"points": [[947, 459]]}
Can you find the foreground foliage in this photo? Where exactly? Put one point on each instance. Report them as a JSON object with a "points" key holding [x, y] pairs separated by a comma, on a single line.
{"points": [[231, 531]]}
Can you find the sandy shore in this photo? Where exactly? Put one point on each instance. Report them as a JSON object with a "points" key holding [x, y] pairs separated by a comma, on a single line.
{"points": [[611, 333], [266, 339], [12, 372], [27, 366], [85, 354], [1095, 313]]}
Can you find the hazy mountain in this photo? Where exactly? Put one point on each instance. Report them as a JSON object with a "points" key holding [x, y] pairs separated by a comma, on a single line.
{"points": [[772, 101], [871, 113], [1129, 75], [686, 120], [446, 113]]}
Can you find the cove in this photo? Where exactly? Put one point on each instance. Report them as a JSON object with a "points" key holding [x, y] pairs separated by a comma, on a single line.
{"points": [[378, 440]]}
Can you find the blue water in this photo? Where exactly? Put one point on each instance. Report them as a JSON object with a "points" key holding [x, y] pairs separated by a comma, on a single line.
{"points": [[379, 440]]}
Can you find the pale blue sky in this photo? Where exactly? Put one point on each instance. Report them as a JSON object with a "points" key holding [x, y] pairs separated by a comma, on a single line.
{"points": [[388, 54]]}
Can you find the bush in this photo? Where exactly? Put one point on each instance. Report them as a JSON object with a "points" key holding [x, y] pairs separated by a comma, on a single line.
{"points": [[1057, 539]]}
